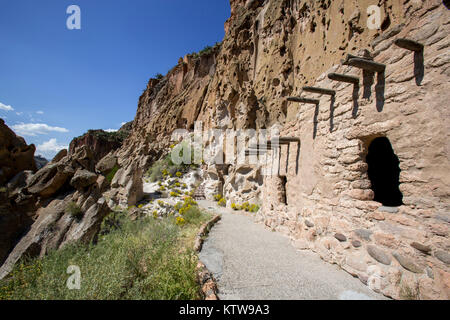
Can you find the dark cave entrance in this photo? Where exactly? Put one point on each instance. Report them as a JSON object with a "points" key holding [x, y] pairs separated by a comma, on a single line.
{"points": [[384, 172]]}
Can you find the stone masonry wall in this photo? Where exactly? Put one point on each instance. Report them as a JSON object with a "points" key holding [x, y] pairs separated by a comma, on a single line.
{"points": [[401, 252]]}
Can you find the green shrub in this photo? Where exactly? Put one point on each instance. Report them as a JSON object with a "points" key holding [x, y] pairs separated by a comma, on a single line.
{"points": [[254, 208], [193, 215], [74, 211], [137, 261], [217, 197], [111, 175]]}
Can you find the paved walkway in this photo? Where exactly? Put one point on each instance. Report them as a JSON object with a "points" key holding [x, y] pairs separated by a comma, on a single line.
{"points": [[251, 262]]}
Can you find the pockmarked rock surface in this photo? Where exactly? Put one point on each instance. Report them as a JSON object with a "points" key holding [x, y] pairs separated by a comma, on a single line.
{"points": [[252, 262], [325, 186]]}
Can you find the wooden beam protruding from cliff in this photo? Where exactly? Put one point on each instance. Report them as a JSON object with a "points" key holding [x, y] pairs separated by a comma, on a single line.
{"points": [[255, 153], [367, 65], [274, 143], [319, 90], [409, 44], [343, 78], [303, 100]]}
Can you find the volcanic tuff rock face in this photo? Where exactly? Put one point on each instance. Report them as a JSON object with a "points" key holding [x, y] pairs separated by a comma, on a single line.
{"points": [[271, 50], [100, 141]]}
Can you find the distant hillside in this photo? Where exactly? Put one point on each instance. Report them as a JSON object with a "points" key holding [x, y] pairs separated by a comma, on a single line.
{"points": [[40, 162]]}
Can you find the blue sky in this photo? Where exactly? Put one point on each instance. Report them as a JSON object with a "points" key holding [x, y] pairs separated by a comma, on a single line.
{"points": [[57, 83]]}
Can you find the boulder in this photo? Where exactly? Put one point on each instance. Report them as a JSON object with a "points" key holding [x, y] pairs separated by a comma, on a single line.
{"points": [[15, 154], [55, 227], [47, 181], [20, 181], [106, 164], [59, 156], [83, 179]]}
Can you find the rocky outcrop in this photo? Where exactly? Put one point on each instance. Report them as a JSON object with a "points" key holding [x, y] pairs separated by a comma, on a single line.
{"points": [[55, 227], [100, 142], [40, 162], [15, 154], [271, 50], [62, 203], [16, 212]]}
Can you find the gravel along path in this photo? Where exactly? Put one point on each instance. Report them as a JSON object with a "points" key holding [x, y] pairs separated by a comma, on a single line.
{"points": [[250, 262]]}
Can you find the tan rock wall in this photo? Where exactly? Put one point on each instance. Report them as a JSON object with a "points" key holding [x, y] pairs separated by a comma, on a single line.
{"points": [[331, 194]]}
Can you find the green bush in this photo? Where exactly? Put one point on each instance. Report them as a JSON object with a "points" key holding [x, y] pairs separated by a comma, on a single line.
{"points": [[111, 175], [194, 215], [138, 260], [74, 211]]}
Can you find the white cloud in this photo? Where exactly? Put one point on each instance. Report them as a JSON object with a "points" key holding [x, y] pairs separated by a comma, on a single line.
{"points": [[19, 113], [50, 148], [5, 107], [40, 112], [122, 124], [33, 129], [111, 130]]}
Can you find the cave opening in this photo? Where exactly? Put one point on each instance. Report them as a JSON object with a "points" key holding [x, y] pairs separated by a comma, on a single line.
{"points": [[384, 172]]}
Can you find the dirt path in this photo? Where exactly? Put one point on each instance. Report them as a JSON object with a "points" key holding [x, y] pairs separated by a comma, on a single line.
{"points": [[251, 262]]}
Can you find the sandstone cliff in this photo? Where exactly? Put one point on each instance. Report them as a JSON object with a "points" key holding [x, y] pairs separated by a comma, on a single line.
{"points": [[272, 50], [100, 141]]}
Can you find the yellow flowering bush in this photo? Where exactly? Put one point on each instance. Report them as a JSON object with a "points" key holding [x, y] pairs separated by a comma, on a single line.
{"points": [[222, 202], [245, 206], [178, 174], [180, 221]]}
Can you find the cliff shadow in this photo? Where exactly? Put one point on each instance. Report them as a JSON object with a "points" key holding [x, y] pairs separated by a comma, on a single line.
{"points": [[332, 101], [355, 96], [316, 120], [379, 91], [419, 68], [368, 81]]}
